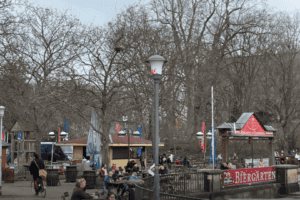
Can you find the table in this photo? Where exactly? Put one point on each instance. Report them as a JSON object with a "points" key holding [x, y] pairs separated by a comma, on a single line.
{"points": [[116, 186]]}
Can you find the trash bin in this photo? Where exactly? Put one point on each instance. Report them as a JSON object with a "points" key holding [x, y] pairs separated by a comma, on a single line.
{"points": [[71, 173], [52, 177], [9, 175], [90, 178]]}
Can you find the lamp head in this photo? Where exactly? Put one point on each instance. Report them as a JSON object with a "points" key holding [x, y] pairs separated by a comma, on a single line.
{"points": [[121, 134], [156, 63], [2, 108], [52, 135], [136, 134], [209, 135], [199, 135], [63, 134]]}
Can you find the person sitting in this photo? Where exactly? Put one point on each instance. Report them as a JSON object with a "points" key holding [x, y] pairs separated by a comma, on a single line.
{"points": [[79, 193], [230, 166], [115, 175], [245, 165], [219, 158], [135, 168], [133, 177], [113, 167], [261, 163], [111, 196], [151, 171], [163, 170], [234, 157], [282, 154], [108, 179], [224, 166], [178, 162]]}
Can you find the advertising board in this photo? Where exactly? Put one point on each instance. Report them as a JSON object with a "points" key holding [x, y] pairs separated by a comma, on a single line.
{"points": [[248, 176]]}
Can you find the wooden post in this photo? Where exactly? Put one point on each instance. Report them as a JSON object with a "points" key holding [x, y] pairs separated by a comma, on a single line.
{"points": [[226, 151], [252, 141], [23, 151], [272, 158], [12, 149], [18, 152]]}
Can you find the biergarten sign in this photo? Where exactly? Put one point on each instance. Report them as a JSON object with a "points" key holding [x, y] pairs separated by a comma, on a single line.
{"points": [[253, 128], [248, 176]]}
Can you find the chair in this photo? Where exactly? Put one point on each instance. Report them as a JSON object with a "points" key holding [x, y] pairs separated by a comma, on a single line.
{"points": [[65, 196]]}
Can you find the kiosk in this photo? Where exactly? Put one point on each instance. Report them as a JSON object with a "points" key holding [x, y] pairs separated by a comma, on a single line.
{"points": [[247, 127]]}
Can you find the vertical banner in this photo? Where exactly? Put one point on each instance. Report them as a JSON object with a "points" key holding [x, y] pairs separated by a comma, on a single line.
{"points": [[204, 136], [140, 148]]}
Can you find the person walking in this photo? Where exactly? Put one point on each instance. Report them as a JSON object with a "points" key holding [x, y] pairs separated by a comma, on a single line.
{"points": [[34, 168]]}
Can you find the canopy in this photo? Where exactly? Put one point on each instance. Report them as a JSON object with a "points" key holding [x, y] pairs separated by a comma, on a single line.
{"points": [[94, 144]]}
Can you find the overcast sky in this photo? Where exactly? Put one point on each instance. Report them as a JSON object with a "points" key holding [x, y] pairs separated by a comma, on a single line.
{"points": [[100, 12]]}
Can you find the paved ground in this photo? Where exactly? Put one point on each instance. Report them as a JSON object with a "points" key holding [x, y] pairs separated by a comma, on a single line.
{"points": [[21, 190]]}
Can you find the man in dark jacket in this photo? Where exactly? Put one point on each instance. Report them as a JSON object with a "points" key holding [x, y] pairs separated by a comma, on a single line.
{"points": [[34, 168], [79, 193]]}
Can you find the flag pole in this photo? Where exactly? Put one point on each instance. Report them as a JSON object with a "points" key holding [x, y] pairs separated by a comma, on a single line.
{"points": [[212, 126]]}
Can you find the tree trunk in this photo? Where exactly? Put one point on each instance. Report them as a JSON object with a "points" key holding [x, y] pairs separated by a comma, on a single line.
{"points": [[104, 152], [38, 141]]}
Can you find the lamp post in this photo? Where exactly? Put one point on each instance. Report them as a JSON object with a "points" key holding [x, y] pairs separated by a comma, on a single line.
{"points": [[200, 136], [156, 63], [2, 108], [124, 132], [52, 136]]}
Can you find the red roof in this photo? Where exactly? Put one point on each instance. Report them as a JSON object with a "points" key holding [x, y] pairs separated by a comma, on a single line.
{"points": [[116, 140]]}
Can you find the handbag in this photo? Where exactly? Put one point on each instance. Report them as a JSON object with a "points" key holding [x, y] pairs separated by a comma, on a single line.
{"points": [[42, 172]]}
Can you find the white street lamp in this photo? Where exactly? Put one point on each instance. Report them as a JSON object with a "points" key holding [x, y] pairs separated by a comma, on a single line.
{"points": [[63, 135], [136, 134], [156, 63], [121, 134], [2, 108]]}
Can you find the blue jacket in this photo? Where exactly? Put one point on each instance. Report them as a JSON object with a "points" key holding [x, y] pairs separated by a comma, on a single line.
{"points": [[131, 178], [107, 178]]}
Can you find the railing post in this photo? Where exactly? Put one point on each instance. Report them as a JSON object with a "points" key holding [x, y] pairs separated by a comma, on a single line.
{"points": [[212, 180], [287, 175]]}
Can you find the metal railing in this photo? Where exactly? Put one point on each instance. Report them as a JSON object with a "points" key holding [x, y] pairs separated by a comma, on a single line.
{"points": [[140, 193], [174, 186]]}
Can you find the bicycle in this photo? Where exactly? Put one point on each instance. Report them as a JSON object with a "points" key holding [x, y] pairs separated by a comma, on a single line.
{"points": [[41, 189]]}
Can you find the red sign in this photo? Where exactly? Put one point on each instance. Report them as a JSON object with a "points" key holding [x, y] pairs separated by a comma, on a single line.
{"points": [[248, 176], [253, 128]]}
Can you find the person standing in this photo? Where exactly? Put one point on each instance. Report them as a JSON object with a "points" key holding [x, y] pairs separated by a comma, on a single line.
{"points": [[34, 169], [276, 154], [142, 159], [171, 156], [103, 172]]}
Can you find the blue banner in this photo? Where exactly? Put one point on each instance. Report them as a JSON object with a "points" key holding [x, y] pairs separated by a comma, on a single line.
{"points": [[140, 148], [210, 157], [66, 126]]}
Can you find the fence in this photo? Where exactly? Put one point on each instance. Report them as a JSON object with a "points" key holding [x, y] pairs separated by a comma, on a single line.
{"points": [[177, 186]]}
